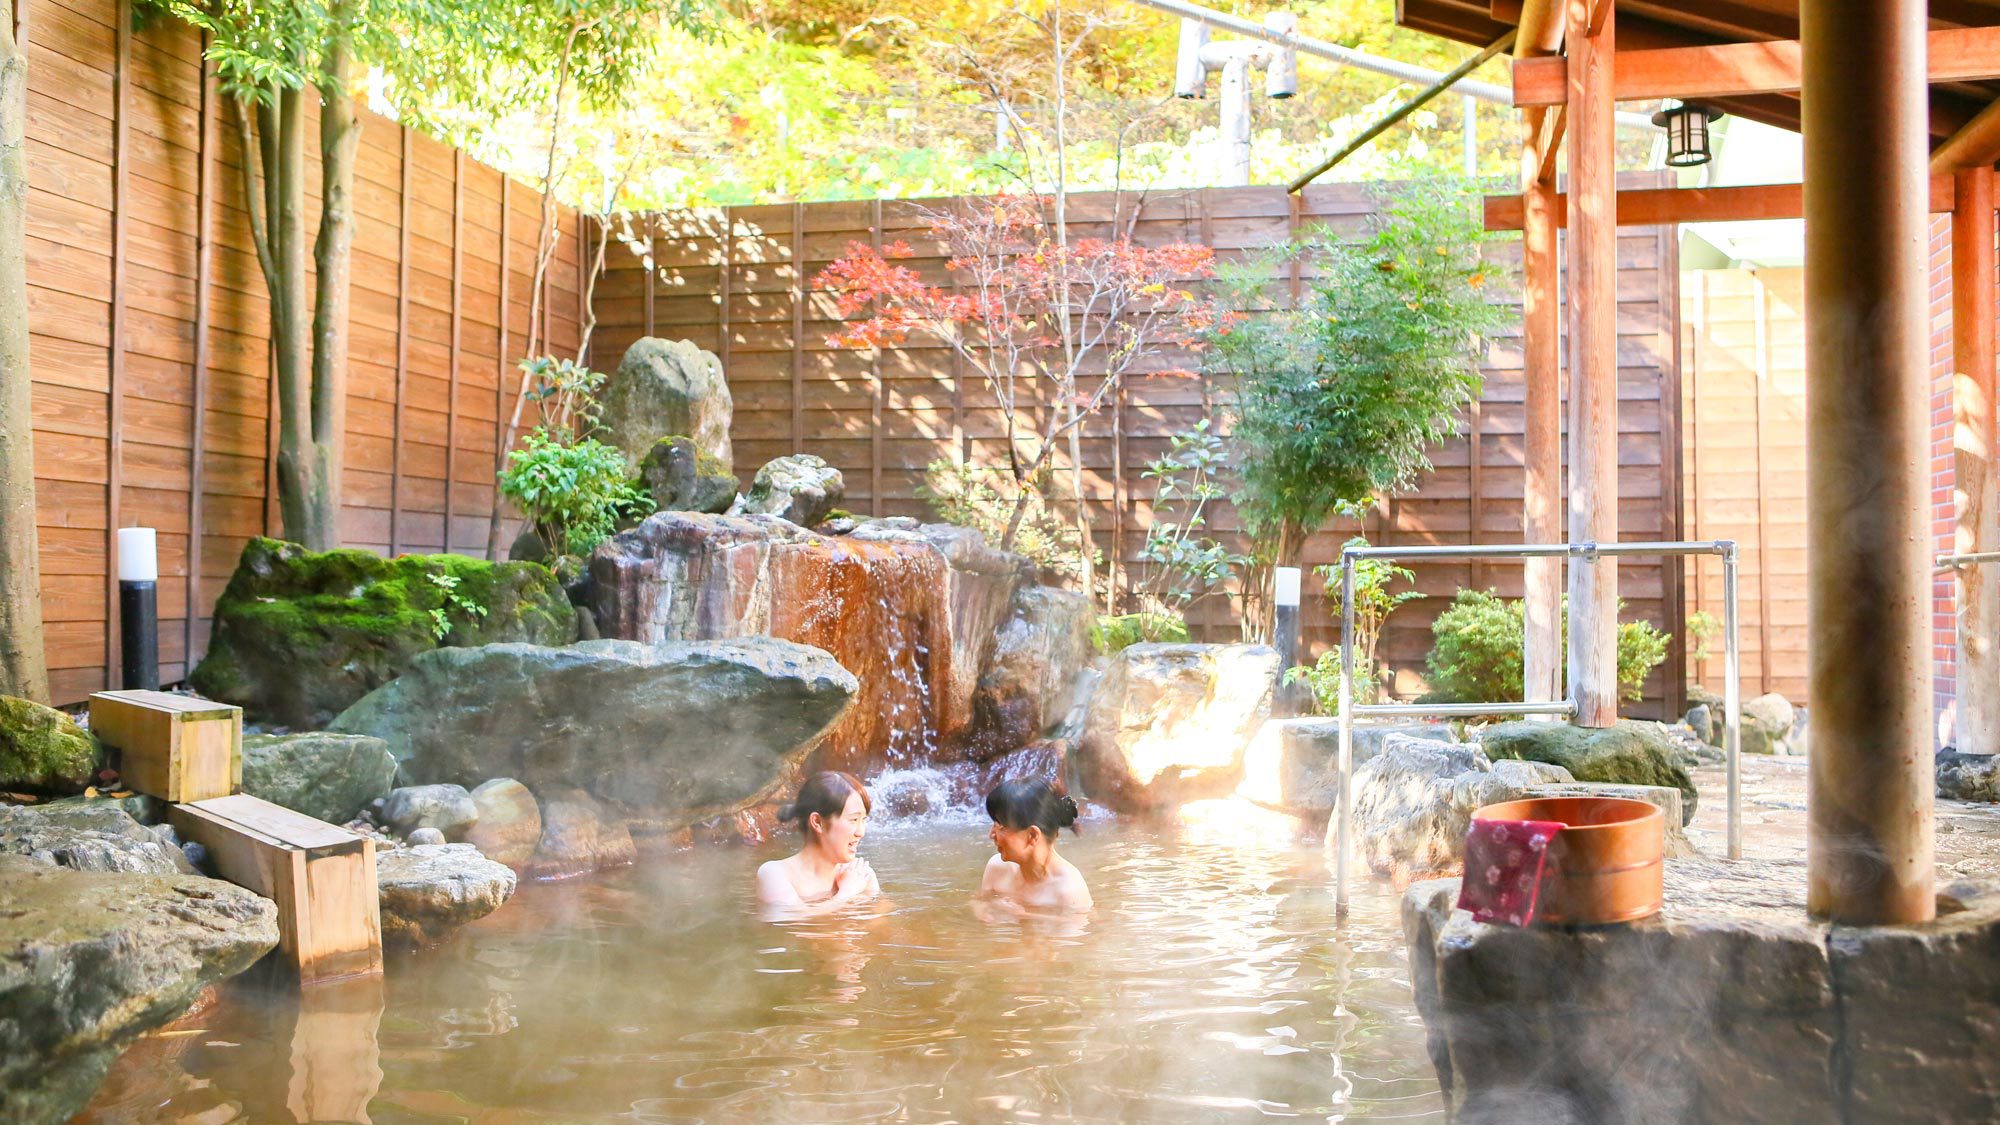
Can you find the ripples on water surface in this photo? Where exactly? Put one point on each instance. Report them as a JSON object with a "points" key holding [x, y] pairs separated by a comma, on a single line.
{"points": [[1209, 984]]}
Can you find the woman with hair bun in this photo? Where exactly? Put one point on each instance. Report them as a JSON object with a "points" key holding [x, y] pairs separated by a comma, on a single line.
{"points": [[827, 873], [1027, 872]]}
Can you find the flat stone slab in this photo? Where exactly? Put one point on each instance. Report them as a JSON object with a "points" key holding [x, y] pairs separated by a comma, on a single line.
{"points": [[1730, 1006]]}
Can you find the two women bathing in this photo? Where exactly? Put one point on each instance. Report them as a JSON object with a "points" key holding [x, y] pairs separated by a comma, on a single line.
{"points": [[828, 873]]}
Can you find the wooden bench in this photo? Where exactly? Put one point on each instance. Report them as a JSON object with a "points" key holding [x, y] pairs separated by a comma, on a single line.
{"points": [[322, 878], [173, 747]]}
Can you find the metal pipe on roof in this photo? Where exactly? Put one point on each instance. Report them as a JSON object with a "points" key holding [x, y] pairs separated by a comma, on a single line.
{"points": [[1360, 60], [1407, 72]]}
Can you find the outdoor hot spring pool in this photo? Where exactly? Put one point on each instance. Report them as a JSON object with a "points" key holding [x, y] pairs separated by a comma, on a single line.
{"points": [[1210, 983]]}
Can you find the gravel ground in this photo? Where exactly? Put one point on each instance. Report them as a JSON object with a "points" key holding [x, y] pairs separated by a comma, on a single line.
{"points": [[1774, 819]]}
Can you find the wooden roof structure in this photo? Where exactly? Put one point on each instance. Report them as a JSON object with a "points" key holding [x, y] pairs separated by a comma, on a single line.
{"points": [[1899, 101], [1646, 25]]}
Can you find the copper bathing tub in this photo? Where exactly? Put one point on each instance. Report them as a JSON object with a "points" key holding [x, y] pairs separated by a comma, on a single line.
{"points": [[1604, 867]]}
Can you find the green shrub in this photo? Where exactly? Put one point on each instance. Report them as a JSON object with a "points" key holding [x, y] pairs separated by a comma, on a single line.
{"points": [[1111, 634], [574, 493], [983, 500], [1476, 657]]}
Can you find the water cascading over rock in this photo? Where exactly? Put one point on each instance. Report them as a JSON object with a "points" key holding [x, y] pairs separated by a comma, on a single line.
{"points": [[892, 609]]}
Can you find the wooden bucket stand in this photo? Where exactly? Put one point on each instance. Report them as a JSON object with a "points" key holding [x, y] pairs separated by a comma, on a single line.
{"points": [[322, 878]]}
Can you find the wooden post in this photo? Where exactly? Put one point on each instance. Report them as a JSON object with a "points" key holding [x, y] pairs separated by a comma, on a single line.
{"points": [[114, 490], [1869, 847], [204, 264], [457, 339], [1972, 307], [798, 328], [1541, 393], [1593, 362], [402, 344]]}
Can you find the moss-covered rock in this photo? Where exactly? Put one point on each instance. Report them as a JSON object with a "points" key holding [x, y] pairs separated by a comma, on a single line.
{"points": [[301, 635], [42, 750], [1110, 635], [1631, 753], [683, 477]]}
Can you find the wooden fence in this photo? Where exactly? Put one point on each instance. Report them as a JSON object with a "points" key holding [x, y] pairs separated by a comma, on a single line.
{"points": [[1743, 398], [739, 281], [152, 401]]}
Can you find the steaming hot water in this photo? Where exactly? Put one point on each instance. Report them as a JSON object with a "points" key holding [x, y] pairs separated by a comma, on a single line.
{"points": [[1209, 984]]}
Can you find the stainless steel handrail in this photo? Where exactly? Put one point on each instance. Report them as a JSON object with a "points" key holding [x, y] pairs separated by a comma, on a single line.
{"points": [[1960, 562], [1341, 829]]}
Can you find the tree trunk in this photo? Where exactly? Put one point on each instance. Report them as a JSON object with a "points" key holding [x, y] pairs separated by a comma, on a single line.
{"points": [[23, 670], [282, 141], [333, 255], [544, 248]]}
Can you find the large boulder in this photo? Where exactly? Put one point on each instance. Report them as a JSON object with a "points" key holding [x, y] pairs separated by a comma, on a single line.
{"points": [[301, 635], [682, 477], [1293, 765], [893, 609], [1968, 777], [980, 582], [96, 836], [42, 750], [430, 890], [1631, 753], [1169, 723], [329, 777], [678, 730], [1031, 679], [579, 835], [445, 808], [799, 487], [88, 961], [1414, 801], [1766, 726], [509, 824], [663, 388]]}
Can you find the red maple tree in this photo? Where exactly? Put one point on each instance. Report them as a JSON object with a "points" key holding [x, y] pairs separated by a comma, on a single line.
{"points": [[1041, 318]]}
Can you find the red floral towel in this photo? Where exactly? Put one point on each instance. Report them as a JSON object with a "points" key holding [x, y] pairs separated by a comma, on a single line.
{"points": [[1504, 860]]}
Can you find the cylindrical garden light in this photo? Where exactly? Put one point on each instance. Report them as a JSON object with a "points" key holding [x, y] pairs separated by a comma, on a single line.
{"points": [[138, 608], [1687, 134]]}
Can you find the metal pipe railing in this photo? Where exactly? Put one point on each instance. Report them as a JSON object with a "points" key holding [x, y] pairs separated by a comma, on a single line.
{"points": [[1342, 830], [1961, 562]]}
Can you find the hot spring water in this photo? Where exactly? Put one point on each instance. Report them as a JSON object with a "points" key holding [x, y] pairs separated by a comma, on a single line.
{"points": [[1210, 983]]}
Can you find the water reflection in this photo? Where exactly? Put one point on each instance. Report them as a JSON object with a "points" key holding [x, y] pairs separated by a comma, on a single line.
{"points": [[1208, 984]]}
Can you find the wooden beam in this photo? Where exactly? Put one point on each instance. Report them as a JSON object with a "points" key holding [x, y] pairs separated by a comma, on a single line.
{"points": [[1539, 24], [1973, 296], [1593, 358], [1645, 207], [1960, 54], [1549, 129], [1975, 145], [1869, 850]]}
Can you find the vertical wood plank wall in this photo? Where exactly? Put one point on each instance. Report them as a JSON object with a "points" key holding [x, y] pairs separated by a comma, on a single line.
{"points": [[150, 344], [726, 280], [1743, 398]]}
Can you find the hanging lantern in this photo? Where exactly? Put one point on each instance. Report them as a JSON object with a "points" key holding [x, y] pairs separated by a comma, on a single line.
{"points": [[1687, 134]]}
